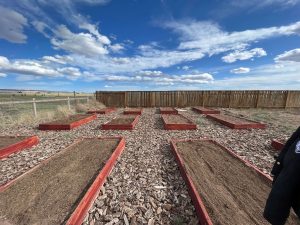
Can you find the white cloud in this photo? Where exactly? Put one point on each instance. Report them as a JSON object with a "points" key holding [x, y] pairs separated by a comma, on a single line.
{"points": [[81, 43], [263, 3], [244, 55], [12, 25], [117, 48], [154, 73], [71, 72], [34, 68], [57, 59], [3, 75], [93, 2], [203, 78], [211, 39], [186, 67], [240, 70], [268, 77], [290, 56]]}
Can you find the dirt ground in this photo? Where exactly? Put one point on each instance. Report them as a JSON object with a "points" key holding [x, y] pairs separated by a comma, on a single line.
{"points": [[133, 110], [7, 141], [286, 120], [123, 120], [232, 193], [233, 119], [70, 119], [176, 119], [51, 192]]}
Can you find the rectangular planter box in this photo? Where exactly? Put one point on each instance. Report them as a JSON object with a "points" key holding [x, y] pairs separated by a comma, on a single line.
{"points": [[61, 125], [180, 122], [102, 111], [17, 145], [235, 122], [204, 110], [81, 199], [133, 111], [112, 125], [277, 144], [168, 110], [196, 196]]}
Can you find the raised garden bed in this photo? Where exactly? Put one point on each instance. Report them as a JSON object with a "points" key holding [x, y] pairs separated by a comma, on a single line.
{"points": [[177, 122], [126, 122], [13, 144], [224, 188], [61, 189], [277, 144], [133, 111], [235, 122], [68, 123], [168, 110], [102, 111], [204, 110]]}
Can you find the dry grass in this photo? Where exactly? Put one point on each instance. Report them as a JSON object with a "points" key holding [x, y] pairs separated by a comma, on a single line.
{"points": [[58, 112], [93, 104], [27, 118]]}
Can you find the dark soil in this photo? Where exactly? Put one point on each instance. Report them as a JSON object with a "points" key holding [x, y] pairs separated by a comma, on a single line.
{"points": [[232, 193], [133, 110], [234, 120], [70, 119], [50, 193], [176, 119], [167, 109], [122, 120], [7, 141]]}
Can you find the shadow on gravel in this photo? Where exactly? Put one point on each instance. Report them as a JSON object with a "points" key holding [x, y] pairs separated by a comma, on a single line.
{"points": [[181, 208], [158, 124]]}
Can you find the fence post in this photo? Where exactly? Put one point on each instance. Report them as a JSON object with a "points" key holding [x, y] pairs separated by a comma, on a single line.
{"points": [[87, 100], [287, 99], [257, 101], [230, 97], [34, 107], [69, 105]]}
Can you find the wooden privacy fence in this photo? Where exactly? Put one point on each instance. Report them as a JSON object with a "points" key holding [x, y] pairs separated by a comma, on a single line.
{"points": [[226, 99]]}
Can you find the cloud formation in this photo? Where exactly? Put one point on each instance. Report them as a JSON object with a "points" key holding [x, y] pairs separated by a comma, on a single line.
{"points": [[12, 26], [289, 56], [240, 70], [211, 39], [244, 55]]}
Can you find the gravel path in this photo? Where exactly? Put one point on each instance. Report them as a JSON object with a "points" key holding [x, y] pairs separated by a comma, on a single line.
{"points": [[145, 187]]}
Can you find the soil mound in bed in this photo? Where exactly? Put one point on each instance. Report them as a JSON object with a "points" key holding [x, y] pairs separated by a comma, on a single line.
{"points": [[69, 120], [51, 192], [7, 141], [122, 120], [176, 119], [232, 192]]}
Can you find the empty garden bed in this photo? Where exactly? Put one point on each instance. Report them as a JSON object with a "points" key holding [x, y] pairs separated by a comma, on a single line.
{"points": [[102, 111], [224, 188], [12, 144], [277, 144], [125, 122], [177, 122], [68, 123], [235, 122], [62, 188], [168, 110], [133, 111], [204, 110]]}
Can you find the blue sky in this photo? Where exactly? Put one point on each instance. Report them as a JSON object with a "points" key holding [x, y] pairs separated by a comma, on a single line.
{"points": [[88, 45]]}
